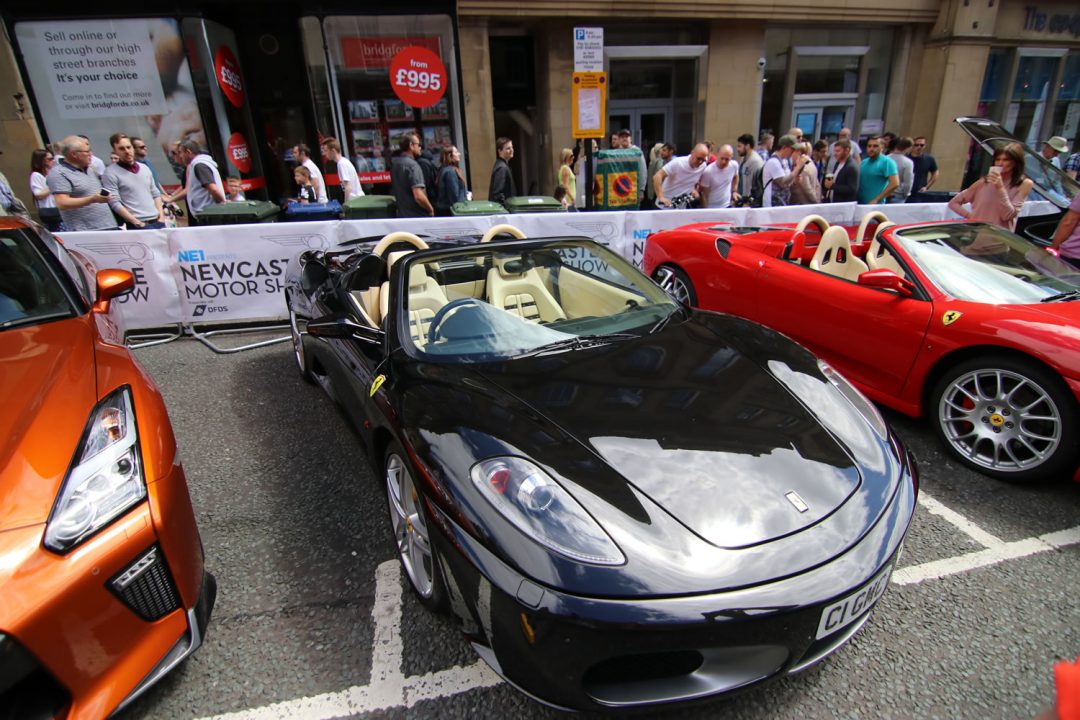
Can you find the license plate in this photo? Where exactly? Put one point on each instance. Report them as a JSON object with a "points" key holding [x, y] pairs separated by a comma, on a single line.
{"points": [[844, 612]]}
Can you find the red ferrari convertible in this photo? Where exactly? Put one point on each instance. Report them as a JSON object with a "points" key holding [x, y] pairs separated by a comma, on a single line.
{"points": [[968, 323]]}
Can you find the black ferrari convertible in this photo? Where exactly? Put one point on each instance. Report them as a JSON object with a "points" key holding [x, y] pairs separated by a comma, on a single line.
{"points": [[624, 501]]}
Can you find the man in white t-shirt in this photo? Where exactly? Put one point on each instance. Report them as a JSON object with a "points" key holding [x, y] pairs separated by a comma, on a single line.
{"points": [[777, 175], [718, 183], [680, 176], [302, 153], [350, 181]]}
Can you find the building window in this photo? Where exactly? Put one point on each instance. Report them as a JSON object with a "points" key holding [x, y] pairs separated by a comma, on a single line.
{"points": [[369, 101]]}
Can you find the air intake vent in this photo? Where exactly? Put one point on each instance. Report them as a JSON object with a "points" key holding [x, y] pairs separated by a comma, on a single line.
{"points": [[146, 586]]}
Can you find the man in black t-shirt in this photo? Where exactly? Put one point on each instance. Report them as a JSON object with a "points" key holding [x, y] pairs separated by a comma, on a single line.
{"points": [[407, 180], [925, 170]]}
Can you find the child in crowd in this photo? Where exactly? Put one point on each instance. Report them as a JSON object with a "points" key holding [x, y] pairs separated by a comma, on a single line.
{"points": [[233, 192], [306, 193]]}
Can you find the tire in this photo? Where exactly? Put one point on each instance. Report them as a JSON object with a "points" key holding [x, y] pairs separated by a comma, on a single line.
{"points": [[411, 526], [1007, 417], [299, 353], [676, 283]]}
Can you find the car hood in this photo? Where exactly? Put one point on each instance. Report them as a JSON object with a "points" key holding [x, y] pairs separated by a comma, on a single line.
{"points": [[47, 380], [699, 424]]}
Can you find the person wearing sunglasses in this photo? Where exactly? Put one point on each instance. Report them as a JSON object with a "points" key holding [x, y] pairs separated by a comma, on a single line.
{"points": [[924, 169]]}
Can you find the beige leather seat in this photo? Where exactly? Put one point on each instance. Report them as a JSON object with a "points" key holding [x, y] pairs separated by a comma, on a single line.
{"points": [[517, 288], [833, 256], [878, 256], [425, 298]]}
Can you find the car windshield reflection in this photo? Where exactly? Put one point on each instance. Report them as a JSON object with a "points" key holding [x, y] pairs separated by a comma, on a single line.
{"points": [[29, 292], [519, 299], [984, 263]]}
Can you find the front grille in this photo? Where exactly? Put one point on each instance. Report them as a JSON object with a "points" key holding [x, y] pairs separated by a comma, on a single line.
{"points": [[146, 586], [27, 690]]}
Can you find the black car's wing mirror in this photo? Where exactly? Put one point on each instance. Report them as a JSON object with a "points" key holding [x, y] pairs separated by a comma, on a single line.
{"points": [[343, 327]]}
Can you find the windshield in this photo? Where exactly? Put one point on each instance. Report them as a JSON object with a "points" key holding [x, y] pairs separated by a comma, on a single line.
{"points": [[29, 292], [491, 301], [987, 264]]}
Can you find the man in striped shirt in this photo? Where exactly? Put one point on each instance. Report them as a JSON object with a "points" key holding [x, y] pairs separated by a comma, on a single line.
{"points": [[77, 190]]}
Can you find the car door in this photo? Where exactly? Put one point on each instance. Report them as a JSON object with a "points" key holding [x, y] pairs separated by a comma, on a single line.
{"points": [[872, 336]]}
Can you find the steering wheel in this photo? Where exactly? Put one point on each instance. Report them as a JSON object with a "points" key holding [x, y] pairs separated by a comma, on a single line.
{"points": [[503, 228], [868, 218], [446, 311], [396, 237]]}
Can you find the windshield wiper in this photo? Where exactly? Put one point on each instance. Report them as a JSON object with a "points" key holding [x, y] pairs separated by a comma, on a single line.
{"points": [[1067, 295], [662, 323], [578, 342]]}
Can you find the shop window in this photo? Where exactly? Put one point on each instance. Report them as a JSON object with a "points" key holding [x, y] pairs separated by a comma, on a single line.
{"points": [[1031, 89], [375, 84], [1066, 120], [997, 67], [828, 74], [513, 79]]}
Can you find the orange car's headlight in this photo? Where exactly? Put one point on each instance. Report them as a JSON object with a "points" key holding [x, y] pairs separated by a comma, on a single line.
{"points": [[105, 479]]}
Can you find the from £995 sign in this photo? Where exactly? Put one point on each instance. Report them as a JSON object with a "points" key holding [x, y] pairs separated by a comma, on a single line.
{"points": [[418, 77]]}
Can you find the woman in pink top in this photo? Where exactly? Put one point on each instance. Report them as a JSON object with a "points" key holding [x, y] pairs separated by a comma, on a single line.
{"points": [[998, 197]]}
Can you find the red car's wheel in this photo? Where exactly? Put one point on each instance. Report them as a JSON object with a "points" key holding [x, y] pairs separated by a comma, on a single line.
{"points": [[676, 283], [1007, 417]]}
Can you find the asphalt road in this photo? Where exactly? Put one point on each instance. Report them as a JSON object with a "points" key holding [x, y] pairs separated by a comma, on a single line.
{"points": [[296, 531]]}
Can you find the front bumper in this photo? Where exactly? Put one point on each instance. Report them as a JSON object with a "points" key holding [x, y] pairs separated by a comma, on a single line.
{"points": [[615, 654], [97, 626]]}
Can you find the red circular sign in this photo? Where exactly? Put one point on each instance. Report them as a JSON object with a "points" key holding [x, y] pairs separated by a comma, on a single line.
{"points": [[237, 150], [418, 76], [228, 75]]}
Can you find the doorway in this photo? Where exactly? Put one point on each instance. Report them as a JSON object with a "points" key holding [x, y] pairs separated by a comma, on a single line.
{"points": [[648, 123], [821, 118]]}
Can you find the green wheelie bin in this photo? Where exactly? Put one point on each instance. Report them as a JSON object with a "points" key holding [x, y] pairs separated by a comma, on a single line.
{"points": [[533, 204], [245, 212], [477, 207], [366, 207]]}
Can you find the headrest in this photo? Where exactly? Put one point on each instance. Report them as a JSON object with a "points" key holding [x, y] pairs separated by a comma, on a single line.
{"points": [[511, 266], [369, 271], [418, 276], [395, 256]]}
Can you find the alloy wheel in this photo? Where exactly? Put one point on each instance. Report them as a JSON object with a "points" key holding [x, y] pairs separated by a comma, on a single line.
{"points": [[410, 527]]}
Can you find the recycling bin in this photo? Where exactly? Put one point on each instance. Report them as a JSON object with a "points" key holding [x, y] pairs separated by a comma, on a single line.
{"points": [[477, 207], [365, 207], [533, 204], [306, 212], [245, 212]]}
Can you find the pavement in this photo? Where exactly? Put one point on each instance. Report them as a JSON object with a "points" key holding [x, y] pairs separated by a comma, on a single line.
{"points": [[314, 619]]}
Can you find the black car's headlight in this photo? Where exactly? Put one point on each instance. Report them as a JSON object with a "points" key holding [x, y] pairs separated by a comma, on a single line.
{"points": [[540, 507], [859, 401], [105, 478]]}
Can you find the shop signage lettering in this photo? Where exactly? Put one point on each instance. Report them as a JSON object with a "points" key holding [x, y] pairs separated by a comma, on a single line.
{"points": [[228, 75], [418, 77], [1055, 24], [378, 52]]}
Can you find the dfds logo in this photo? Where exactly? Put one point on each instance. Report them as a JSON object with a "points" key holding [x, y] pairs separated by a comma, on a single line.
{"points": [[203, 309]]}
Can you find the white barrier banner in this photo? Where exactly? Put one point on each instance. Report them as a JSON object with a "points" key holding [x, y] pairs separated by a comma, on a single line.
{"points": [[237, 272], [145, 253]]}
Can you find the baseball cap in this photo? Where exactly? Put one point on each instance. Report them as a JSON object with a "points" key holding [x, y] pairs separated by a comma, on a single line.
{"points": [[1058, 143], [786, 141], [623, 133]]}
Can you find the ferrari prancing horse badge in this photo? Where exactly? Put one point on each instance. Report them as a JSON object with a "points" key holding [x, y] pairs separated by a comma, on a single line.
{"points": [[950, 317]]}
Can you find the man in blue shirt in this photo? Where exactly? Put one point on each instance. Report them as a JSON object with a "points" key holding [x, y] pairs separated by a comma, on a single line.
{"points": [[878, 176]]}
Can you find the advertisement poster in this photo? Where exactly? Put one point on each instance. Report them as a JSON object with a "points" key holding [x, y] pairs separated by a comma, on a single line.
{"points": [[221, 79], [100, 77]]}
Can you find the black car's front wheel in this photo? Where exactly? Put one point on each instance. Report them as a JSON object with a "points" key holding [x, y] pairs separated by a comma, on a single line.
{"points": [[676, 283], [412, 536], [1007, 417]]}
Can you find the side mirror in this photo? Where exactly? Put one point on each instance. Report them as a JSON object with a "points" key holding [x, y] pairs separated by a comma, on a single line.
{"points": [[112, 283], [885, 279], [343, 327]]}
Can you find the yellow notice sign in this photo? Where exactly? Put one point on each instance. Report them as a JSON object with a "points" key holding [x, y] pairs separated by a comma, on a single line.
{"points": [[589, 102]]}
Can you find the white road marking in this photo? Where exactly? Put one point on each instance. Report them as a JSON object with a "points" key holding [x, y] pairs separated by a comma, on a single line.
{"points": [[389, 687], [960, 522]]}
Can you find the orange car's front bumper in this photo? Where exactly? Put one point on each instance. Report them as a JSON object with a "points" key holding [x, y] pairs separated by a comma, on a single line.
{"points": [[102, 623]]}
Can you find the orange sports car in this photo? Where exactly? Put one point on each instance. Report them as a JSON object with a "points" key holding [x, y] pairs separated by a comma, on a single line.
{"points": [[101, 564]]}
